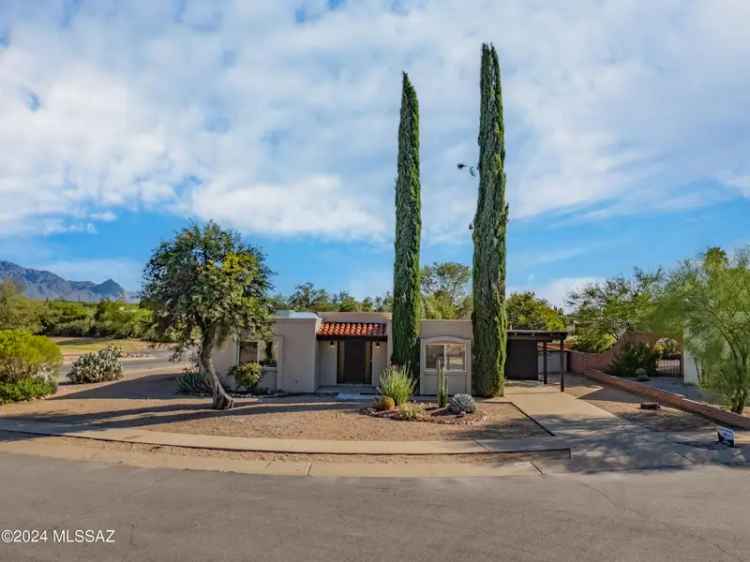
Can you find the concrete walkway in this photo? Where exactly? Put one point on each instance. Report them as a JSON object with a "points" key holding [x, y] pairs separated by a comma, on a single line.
{"points": [[601, 441]]}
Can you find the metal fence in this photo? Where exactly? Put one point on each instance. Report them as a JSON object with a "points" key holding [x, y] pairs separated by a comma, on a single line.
{"points": [[670, 367]]}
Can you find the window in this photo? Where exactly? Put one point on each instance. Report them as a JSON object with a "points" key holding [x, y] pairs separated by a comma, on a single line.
{"points": [[249, 351], [451, 355]]}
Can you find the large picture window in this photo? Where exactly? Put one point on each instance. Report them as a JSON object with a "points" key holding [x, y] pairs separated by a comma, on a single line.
{"points": [[451, 355]]}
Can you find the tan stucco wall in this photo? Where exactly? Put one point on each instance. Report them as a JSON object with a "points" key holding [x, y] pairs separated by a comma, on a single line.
{"points": [[380, 317], [455, 328], [298, 364], [225, 356], [379, 361], [327, 363]]}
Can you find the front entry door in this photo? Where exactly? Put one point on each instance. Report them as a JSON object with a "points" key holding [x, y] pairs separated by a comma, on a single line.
{"points": [[355, 362]]}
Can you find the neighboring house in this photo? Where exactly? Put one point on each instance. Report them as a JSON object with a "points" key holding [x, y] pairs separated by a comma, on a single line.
{"points": [[331, 351]]}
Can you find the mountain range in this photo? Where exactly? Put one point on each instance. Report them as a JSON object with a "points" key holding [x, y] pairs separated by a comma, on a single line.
{"points": [[38, 284]]}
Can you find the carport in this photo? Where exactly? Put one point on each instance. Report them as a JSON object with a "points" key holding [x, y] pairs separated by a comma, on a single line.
{"points": [[523, 354]]}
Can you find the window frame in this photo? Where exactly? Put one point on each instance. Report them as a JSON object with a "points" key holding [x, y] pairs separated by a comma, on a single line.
{"points": [[444, 344], [257, 343]]}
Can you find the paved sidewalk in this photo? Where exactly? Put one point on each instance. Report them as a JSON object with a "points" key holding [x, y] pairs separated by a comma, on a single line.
{"points": [[274, 468], [297, 446]]}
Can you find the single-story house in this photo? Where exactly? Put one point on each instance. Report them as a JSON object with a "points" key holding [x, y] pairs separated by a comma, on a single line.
{"points": [[331, 351]]}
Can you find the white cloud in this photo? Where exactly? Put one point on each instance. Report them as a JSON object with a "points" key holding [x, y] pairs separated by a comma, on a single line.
{"points": [[232, 110], [738, 182], [315, 205], [557, 290]]}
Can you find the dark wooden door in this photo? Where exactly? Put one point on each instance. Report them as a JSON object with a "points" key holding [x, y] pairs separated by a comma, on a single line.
{"points": [[522, 362], [355, 362]]}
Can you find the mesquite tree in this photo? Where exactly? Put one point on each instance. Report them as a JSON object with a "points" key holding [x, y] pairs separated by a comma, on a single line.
{"points": [[489, 317], [204, 286], [406, 290]]}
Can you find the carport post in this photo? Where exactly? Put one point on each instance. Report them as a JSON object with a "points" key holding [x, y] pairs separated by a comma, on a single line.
{"points": [[544, 353], [562, 364]]}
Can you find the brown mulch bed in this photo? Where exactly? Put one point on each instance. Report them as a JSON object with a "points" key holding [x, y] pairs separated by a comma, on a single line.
{"points": [[431, 414]]}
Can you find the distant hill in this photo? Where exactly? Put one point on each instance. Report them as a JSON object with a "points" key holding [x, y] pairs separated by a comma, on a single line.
{"points": [[39, 284]]}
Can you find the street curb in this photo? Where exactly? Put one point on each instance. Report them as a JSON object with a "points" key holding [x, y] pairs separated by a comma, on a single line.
{"points": [[300, 469], [289, 446]]}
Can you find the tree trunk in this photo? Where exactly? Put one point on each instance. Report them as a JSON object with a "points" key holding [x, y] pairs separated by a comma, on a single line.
{"points": [[222, 400], [738, 404]]}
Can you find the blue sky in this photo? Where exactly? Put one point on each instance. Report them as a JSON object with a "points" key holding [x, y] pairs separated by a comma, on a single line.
{"points": [[627, 132]]}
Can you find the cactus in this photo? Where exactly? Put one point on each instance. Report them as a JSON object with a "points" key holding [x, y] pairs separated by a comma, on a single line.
{"points": [[382, 403], [442, 386], [462, 404]]}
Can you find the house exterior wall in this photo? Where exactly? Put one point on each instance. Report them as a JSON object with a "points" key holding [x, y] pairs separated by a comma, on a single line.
{"points": [[690, 370], [445, 331], [327, 363], [225, 357], [379, 361], [297, 370], [553, 361]]}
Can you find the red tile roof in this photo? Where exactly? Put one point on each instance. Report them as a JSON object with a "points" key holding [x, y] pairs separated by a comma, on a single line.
{"points": [[352, 329]]}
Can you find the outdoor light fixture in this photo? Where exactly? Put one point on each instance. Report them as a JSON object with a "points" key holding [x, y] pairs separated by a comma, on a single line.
{"points": [[331, 343], [377, 344]]}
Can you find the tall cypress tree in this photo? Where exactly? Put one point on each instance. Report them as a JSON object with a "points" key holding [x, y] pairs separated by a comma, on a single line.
{"points": [[489, 317], [406, 291]]}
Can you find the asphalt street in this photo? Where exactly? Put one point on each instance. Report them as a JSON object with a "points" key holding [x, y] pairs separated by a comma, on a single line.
{"points": [[161, 514]]}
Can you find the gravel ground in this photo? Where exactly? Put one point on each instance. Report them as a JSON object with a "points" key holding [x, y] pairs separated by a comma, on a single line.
{"points": [[310, 418], [149, 402]]}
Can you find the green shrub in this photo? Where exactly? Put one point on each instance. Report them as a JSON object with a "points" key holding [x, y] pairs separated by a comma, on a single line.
{"points": [[667, 348], [26, 388], [634, 356], [410, 411], [194, 382], [591, 342], [102, 366], [23, 355], [382, 403], [247, 375], [397, 383]]}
